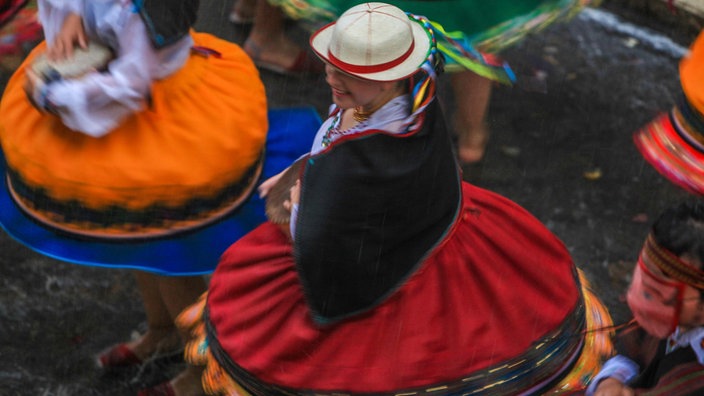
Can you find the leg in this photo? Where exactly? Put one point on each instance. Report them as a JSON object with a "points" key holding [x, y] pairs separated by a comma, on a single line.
{"points": [[270, 47], [166, 298], [267, 41], [161, 333], [177, 293], [242, 11], [472, 93]]}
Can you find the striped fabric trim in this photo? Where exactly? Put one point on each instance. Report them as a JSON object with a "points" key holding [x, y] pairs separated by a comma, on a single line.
{"points": [[561, 363], [683, 380], [117, 222], [672, 265], [661, 143]]}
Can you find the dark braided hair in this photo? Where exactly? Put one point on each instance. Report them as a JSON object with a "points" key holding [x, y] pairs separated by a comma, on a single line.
{"points": [[680, 229]]}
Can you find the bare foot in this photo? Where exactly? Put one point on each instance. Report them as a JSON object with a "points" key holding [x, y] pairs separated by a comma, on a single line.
{"points": [[471, 143]]}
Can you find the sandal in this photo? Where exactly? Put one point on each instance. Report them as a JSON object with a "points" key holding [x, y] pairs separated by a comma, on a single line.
{"points": [[123, 356], [471, 144]]}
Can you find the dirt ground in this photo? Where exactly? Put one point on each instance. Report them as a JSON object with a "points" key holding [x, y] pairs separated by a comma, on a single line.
{"points": [[560, 146]]}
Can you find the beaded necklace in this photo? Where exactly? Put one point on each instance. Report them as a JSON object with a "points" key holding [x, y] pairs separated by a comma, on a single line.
{"points": [[327, 137], [334, 129]]}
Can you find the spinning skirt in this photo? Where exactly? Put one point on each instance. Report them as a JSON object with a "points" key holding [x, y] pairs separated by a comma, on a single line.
{"points": [[186, 163], [674, 142], [497, 309]]}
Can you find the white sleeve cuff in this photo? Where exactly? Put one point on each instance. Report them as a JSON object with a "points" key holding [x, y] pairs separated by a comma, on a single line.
{"points": [[618, 367]]}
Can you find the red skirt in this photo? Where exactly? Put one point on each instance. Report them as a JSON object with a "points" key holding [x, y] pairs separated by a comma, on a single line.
{"points": [[496, 287]]}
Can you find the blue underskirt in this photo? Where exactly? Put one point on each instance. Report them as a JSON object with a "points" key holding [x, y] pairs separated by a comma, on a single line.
{"points": [[197, 252]]}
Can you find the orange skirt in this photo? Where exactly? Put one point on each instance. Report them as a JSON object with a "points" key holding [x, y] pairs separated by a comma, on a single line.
{"points": [[673, 143], [192, 156], [692, 75]]}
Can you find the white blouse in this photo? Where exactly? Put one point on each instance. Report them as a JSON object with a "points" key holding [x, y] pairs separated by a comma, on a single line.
{"points": [[393, 118], [98, 102], [625, 370]]}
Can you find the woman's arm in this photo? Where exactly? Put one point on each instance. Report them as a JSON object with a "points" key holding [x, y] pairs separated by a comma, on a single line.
{"points": [[98, 102]]}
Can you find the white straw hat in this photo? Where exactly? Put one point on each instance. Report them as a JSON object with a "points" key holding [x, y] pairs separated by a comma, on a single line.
{"points": [[373, 41]]}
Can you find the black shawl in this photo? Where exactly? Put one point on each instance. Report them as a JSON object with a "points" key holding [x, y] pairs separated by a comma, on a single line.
{"points": [[372, 207]]}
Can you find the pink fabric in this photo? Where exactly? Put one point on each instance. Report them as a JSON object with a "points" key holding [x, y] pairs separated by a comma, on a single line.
{"points": [[655, 301]]}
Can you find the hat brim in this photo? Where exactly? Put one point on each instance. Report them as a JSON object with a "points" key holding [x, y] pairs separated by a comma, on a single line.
{"points": [[320, 42], [663, 144]]}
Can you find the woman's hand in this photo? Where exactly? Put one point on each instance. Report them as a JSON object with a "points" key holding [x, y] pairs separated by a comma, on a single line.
{"points": [[71, 33], [268, 184], [613, 387], [295, 196]]}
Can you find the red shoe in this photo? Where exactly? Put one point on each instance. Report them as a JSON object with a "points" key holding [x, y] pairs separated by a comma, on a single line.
{"points": [[163, 389], [117, 357]]}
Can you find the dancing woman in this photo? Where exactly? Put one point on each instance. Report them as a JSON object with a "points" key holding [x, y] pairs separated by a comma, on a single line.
{"points": [[393, 276]]}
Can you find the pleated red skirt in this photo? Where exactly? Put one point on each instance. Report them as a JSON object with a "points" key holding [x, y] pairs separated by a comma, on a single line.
{"points": [[497, 285]]}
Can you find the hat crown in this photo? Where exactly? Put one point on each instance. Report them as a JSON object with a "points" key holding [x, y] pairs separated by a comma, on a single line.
{"points": [[371, 34], [376, 42]]}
